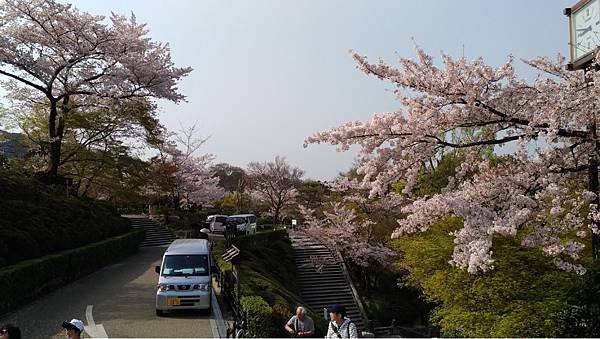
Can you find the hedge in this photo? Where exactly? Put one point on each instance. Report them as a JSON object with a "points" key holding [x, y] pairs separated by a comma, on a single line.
{"points": [[258, 316], [38, 220], [27, 280]]}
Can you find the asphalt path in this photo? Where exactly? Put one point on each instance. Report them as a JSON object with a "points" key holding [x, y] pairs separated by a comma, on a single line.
{"points": [[117, 300]]}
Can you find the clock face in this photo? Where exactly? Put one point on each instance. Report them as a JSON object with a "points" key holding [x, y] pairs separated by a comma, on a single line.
{"points": [[586, 29]]}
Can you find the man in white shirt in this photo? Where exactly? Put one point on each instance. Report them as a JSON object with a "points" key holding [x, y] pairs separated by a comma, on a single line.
{"points": [[300, 325]]}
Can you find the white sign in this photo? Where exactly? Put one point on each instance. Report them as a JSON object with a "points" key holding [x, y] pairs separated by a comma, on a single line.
{"points": [[293, 222]]}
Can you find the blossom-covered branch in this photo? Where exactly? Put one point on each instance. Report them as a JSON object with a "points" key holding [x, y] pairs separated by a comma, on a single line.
{"points": [[52, 54], [557, 110]]}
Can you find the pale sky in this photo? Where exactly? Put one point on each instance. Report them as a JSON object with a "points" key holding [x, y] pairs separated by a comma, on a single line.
{"points": [[267, 74]]}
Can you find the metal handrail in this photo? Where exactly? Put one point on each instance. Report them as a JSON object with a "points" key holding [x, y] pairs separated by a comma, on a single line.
{"points": [[361, 308]]}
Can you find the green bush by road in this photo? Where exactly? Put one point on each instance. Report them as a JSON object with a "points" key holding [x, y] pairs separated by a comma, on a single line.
{"points": [[29, 279], [37, 220]]}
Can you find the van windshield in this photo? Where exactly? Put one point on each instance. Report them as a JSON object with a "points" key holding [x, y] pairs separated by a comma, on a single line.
{"points": [[236, 220], [185, 265]]}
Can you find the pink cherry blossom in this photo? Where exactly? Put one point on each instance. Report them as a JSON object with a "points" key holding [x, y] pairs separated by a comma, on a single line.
{"points": [[274, 182], [190, 179], [541, 187], [55, 56]]}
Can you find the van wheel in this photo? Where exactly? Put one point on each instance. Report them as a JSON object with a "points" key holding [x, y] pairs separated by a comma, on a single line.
{"points": [[160, 313]]}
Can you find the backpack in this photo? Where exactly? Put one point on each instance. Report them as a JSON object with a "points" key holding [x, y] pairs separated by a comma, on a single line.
{"points": [[335, 329]]}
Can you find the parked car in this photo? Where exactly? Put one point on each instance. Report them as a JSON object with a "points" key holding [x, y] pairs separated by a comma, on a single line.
{"points": [[184, 276], [216, 223], [242, 223]]}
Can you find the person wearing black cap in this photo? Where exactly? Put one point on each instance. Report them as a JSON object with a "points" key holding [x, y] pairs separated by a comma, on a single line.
{"points": [[340, 326], [73, 328], [10, 331]]}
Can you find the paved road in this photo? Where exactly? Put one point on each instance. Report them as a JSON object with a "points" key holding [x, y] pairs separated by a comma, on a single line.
{"points": [[122, 299]]}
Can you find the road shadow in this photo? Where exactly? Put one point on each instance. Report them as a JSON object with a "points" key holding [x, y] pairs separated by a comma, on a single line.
{"points": [[43, 317]]}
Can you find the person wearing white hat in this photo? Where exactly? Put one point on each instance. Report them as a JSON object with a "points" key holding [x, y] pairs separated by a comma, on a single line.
{"points": [[73, 328]]}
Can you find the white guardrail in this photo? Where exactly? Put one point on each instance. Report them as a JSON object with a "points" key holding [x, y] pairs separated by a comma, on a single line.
{"points": [[218, 325]]}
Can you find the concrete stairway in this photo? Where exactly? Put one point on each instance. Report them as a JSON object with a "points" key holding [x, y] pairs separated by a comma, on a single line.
{"points": [[156, 235], [327, 287]]}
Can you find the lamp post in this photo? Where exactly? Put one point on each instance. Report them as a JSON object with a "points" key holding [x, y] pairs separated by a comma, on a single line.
{"points": [[584, 27]]}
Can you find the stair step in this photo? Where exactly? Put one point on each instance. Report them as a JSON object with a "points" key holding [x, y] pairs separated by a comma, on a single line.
{"points": [[341, 283], [326, 268], [310, 271], [155, 234], [307, 259], [311, 250], [160, 235], [147, 241], [324, 288], [342, 295], [322, 277], [318, 288]]}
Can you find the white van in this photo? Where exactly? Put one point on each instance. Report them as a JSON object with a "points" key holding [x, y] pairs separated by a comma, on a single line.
{"points": [[216, 222], [244, 223], [184, 281]]}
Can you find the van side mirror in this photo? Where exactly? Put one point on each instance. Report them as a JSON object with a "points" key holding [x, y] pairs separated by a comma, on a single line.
{"points": [[157, 269]]}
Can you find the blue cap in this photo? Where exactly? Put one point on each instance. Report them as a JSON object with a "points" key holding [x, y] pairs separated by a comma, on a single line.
{"points": [[337, 308]]}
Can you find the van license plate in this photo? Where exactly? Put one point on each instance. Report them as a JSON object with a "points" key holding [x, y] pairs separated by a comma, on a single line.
{"points": [[173, 301]]}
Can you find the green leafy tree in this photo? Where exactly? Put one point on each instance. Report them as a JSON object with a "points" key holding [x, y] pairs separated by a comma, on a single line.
{"points": [[311, 193], [524, 296], [97, 149]]}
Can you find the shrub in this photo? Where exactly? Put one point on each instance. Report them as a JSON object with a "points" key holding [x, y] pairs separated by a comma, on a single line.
{"points": [[524, 296], [28, 279], [37, 220], [259, 317]]}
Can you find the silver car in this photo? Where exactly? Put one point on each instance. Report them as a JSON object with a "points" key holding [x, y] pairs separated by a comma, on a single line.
{"points": [[216, 222], [184, 281]]}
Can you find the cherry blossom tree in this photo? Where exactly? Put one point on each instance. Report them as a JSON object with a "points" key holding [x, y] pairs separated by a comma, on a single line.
{"points": [[275, 183], [347, 225], [546, 189], [57, 57], [186, 178], [340, 230]]}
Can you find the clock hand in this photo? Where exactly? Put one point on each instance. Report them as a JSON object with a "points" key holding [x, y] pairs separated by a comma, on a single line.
{"points": [[582, 31]]}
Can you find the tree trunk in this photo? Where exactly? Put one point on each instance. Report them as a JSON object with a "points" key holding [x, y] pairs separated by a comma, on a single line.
{"points": [[56, 125], [276, 216], [593, 187], [54, 150]]}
